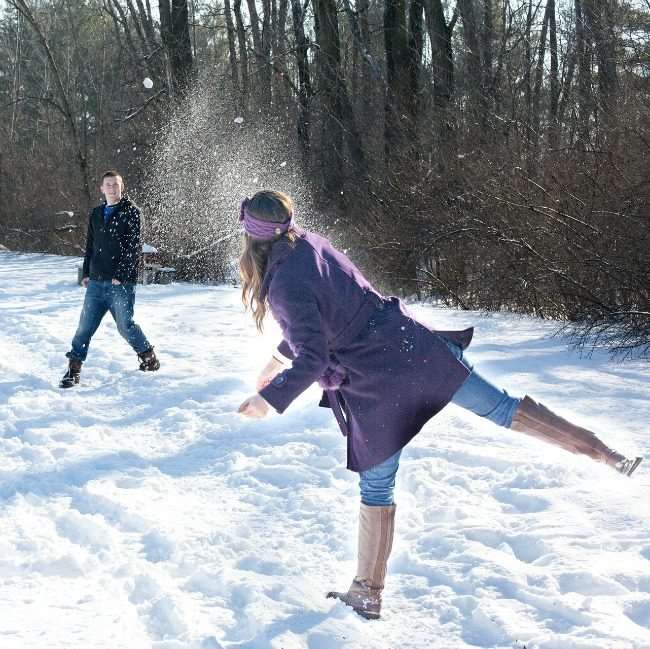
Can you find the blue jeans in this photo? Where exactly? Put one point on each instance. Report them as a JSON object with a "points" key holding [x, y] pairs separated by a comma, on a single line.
{"points": [[103, 296], [477, 395]]}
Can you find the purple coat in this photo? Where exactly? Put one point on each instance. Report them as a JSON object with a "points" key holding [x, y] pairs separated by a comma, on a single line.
{"points": [[397, 372]]}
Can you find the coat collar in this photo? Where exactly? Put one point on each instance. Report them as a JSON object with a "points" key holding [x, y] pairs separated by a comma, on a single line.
{"points": [[280, 250], [123, 204]]}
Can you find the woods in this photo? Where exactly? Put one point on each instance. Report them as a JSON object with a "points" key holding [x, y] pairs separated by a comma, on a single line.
{"points": [[490, 154]]}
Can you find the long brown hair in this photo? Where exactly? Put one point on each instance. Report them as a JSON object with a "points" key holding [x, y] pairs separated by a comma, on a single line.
{"points": [[275, 207]]}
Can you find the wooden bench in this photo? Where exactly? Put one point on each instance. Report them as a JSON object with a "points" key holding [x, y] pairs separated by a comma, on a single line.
{"points": [[151, 270]]}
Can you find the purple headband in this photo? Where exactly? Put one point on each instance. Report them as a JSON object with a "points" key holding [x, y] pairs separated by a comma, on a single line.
{"points": [[261, 230]]}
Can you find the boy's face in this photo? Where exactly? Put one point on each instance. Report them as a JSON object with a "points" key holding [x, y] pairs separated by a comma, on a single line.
{"points": [[111, 187]]}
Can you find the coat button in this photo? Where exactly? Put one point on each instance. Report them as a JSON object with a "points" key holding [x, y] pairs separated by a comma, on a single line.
{"points": [[279, 380]]}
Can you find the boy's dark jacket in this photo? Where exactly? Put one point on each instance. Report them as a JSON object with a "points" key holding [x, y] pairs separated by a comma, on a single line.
{"points": [[113, 248]]}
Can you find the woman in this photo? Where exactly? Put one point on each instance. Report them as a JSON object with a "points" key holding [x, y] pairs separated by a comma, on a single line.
{"points": [[384, 374]]}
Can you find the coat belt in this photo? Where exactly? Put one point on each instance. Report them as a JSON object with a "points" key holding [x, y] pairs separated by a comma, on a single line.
{"points": [[358, 322], [331, 396]]}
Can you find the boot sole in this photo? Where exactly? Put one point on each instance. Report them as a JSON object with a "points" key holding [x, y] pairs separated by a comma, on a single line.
{"points": [[70, 383], [341, 597], [634, 466]]}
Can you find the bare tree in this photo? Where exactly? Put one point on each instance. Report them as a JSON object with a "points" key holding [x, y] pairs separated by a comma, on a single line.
{"points": [[399, 113], [338, 122], [243, 53], [442, 63], [63, 105], [232, 46], [175, 32], [304, 76]]}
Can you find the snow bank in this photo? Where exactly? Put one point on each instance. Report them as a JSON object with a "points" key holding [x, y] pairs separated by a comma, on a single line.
{"points": [[140, 511]]}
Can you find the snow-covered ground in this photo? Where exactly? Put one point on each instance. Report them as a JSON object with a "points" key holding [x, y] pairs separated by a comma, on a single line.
{"points": [[140, 510]]}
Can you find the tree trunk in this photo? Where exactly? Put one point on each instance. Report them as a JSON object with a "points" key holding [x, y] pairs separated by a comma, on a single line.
{"points": [[567, 85], [414, 62], [338, 118], [147, 25], [487, 58], [267, 63], [365, 75], [232, 48], [18, 56], [331, 137], [135, 20], [397, 117], [175, 32], [496, 84], [585, 108], [473, 60], [370, 73], [243, 53], [600, 25], [554, 126], [280, 45], [165, 12], [261, 62], [442, 63], [304, 79], [120, 17], [181, 58], [528, 63], [539, 77], [357, 47]]}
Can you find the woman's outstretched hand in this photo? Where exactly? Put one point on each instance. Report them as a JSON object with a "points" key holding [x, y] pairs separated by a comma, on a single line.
{"points": [[268, 372], [255, 407]]}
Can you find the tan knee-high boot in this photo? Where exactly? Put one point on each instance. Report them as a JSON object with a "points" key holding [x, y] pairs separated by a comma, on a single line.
{"points": [[535, 419], [376, 528]]}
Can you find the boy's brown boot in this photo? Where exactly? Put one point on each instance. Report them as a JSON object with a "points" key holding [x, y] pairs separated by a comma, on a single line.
{"points": [[73, 375], [148, 361]]}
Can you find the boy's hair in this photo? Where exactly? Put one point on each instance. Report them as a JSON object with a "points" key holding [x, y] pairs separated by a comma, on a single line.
{"points": [[112, 173]]}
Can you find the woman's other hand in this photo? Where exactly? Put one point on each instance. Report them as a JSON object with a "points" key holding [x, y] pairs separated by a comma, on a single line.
{"points": [[254, 407]]}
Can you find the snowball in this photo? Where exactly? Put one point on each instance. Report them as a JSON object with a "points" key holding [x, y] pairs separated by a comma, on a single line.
{"points": [[147, 83], [238, 120]]}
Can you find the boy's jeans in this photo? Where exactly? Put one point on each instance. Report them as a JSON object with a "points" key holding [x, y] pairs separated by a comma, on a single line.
{"points": [[103, 296], [477, 395]]}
